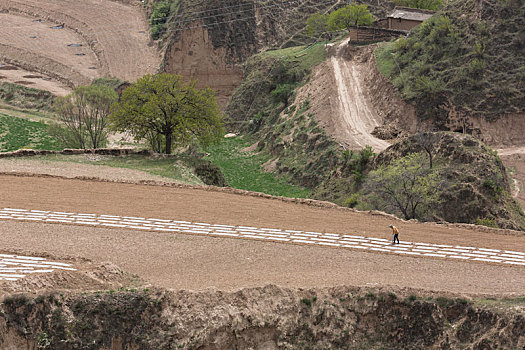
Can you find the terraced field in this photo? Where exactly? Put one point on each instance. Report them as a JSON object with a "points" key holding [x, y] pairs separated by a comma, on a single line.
{"points": [[193, 238], [72, 42]]}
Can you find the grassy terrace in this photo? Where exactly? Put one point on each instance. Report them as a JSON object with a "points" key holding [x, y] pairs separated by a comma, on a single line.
{"points": [[301, 57], [17, 133], [242, 168]]}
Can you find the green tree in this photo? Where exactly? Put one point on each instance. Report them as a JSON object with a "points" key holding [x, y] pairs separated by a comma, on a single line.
{"points": [[159, 17], [405, 187], [167, 109], [84, 113], [420, 4], [317, 25], [350, 16]]}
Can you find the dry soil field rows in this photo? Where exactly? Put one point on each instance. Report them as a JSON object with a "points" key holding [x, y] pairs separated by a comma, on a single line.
{"points": [[326, 239], [61, 51], [114, 36], [201, 260]]}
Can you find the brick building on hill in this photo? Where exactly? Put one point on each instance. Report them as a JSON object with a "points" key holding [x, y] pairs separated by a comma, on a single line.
{"points": [[406, 18], [398, 23]]}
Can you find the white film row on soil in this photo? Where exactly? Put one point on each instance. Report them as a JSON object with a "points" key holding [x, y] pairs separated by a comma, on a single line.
{"points": [[15, 267], [485, 255]]}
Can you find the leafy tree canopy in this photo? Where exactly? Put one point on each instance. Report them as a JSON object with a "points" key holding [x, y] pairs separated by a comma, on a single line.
{"points": [[349, 16], [407, 187], [163, 108], [317, 24]]}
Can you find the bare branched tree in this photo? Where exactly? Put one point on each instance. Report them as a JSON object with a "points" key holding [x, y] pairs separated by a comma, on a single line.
{"points": [[84, 113], [428, 141]]}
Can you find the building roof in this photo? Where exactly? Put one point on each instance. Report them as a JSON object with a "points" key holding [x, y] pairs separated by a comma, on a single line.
{"points": [[411, 14]]}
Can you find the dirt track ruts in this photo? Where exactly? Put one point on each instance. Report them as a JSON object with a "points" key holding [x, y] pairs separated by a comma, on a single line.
{"points": [[354, 108], [179, 261]]}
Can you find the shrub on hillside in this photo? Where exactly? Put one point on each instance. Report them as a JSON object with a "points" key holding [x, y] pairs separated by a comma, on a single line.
{"points": [[159, 16], [210, 174], [25, 97], [469, 58]]}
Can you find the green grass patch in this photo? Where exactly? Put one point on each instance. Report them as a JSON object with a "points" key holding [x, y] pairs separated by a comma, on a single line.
{"points": [[243, 170], [385, 59], [26, 97], [303, 57], [17, 133], [29, 114], [503, 303]]}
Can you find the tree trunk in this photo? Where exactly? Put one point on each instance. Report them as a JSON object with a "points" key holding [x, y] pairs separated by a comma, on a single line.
{"points": [[168, 142]]}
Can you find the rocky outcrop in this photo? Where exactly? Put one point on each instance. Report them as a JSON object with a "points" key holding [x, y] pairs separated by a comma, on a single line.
{"points": [[474, 181]]}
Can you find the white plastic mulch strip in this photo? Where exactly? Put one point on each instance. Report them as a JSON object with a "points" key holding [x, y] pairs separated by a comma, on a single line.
{"points": [[345, 241], [15, 267]]}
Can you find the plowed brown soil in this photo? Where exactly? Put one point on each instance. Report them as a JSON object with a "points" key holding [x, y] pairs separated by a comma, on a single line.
{"points": [[182, 261], [115, 38]]}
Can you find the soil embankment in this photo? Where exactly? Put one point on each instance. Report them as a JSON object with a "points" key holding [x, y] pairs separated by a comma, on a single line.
{"points": [[256, 318], [514, 160]]}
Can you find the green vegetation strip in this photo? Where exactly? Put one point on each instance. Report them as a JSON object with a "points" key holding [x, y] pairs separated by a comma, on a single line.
{"points": [[17, 133], [171, 168], [243, 170]]}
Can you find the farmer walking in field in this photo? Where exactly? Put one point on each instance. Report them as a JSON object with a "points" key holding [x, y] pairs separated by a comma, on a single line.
{"points": [[395, 234]]}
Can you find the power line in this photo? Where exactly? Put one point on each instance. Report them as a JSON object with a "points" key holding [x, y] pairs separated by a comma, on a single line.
{"points": [[217, 8], [287, 2], [166, 29], [234, 6], [163, 30]]}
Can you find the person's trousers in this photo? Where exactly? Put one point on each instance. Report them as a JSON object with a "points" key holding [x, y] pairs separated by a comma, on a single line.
{"points": [[396, 238]]}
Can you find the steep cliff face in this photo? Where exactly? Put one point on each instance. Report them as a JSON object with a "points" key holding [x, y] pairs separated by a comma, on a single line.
{"points": [[209, 40], [258, 318], [194, 57]]}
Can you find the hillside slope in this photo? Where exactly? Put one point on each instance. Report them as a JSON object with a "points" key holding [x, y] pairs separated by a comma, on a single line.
{"points": [[465, 68], [75, 42], [471, 182]]}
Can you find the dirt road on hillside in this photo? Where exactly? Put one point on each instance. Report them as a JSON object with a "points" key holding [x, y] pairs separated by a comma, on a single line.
{"points": [[179, 261], [354, 108], [114, 37], [514, 161], [340, 100]]}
